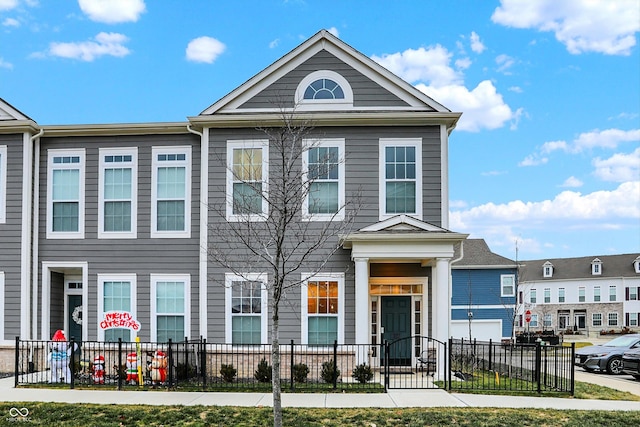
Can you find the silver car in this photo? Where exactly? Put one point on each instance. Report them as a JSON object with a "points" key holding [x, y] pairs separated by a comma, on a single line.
{"points": [[606, 357]]}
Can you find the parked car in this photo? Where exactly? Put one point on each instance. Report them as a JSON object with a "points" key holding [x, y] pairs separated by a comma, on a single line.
{"points": [[606, 357], [631, 363]]}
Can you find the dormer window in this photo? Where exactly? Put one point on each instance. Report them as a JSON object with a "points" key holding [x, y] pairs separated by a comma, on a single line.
{"points": [[636, 265], [547, 269], [596, 267], [323, 89]]}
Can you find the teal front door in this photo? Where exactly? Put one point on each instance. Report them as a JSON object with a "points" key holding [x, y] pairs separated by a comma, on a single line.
{"points": [[74, 317], [396, 324]]}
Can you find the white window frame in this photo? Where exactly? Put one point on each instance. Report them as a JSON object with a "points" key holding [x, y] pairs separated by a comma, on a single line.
{"points": [[596, 267], [133, 165], [382, 192], [504, 277], [533, 323], [613, 295], [633, 319], [156, 164], [584, 294], [547, 320], [546, 296], [186, 279], [610, 316], [562, 295], [533, 296], [229, 278], [132, 279], [547, 269], [633, 293], [52, 153], [304, 324], [2, 306], [262, 144], [316, 143], [3, 184], [593, 320], [324, 104]]}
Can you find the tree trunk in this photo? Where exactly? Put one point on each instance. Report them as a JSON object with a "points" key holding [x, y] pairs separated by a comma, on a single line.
{"points": [[275, 375]]}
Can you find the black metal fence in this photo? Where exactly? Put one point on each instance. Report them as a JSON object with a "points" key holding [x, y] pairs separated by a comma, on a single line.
{"points": [[197, 365], [492, 365]]}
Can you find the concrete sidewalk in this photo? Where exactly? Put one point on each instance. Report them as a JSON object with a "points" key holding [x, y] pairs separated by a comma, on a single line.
{"points": [[392, 399]]}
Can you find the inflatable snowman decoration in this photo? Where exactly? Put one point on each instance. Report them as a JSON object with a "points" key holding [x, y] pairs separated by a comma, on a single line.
{"points": [[59, 358]]}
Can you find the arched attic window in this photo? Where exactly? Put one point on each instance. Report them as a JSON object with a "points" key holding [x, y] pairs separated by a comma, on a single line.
{"points": [[324, 89]]}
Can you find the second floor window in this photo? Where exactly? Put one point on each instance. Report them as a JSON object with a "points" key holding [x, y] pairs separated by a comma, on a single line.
{"points": [[547, 295], [596, 294], [533, 297], [247, 174], [507, 285], [65, 181], [581, 294], [612, 293], [401, 177], [323, 166], [561, 296], [3, 183], [118, 193], [171, 207]]}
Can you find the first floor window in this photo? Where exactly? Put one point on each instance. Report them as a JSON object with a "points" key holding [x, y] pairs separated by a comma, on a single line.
{"points": [[597, 319], [534, 321], [170, 307], [323, 310], [613, 319], [547, 321], [117, 294], [246, 303], [633, 319]]}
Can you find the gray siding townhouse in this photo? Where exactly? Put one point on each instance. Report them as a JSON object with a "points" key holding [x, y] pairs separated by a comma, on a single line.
{"points": [[584, 294], [95, 218]]}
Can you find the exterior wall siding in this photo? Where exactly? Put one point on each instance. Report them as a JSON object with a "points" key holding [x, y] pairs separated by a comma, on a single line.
{"points": [[478, 287], [142, 256], [366, 93], [10, 236]]}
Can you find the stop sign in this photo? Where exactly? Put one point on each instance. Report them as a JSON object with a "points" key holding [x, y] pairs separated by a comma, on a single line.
{"points": [[527, 316]]}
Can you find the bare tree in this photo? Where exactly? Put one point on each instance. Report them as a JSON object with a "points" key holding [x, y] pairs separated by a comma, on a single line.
{"points": [[275, 230]]}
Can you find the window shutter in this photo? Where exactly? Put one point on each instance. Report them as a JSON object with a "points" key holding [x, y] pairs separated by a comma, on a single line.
{"points": [[626, 294], [626, 319]]}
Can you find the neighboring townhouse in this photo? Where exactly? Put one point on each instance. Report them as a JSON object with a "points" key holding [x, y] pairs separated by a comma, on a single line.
{"points": [[107, 217], [585, 294], [483, 296]]}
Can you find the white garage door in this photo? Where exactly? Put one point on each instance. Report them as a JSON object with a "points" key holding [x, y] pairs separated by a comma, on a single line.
{"points": [[481, 330]]}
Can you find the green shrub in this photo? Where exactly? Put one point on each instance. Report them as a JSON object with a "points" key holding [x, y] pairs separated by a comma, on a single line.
{"points": [[264, 371], [329, 373], [228, 372], [300, 372], [362, 373]]}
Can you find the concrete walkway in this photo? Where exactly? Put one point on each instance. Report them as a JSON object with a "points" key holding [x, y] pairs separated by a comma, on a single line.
{"points": [[393, 399]]}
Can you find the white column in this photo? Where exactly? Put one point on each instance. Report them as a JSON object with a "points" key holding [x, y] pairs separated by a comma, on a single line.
{"points": [[362, 305], [442, 306]]}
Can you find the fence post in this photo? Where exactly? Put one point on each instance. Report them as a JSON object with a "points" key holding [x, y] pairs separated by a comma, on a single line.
{"points": [[572, 369], [538, 363], [335, 364], [186, 360], [447, 375], [385, 361], [17, 361], [119, 371], [291, 366], [203, 362], [170, 367], [490, 354], [72, 368]]}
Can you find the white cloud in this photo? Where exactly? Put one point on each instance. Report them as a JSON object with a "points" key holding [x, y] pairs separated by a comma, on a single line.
{"points": [[483, 107], [602, 26], [476, 45], [104, 44], [5, 64], [431, 72], [609, 138], [113, 11], [334, 31], [8, 4], [572, 182], [463, 63], [504, 63], [515, 89], [274, 43], [204, 49], [10, 22], [533, 160], [422, 65], [551, 146], [619, 167]]}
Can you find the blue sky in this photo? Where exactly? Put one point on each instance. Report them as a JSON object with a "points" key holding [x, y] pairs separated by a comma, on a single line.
{"points": [[547, 153]]}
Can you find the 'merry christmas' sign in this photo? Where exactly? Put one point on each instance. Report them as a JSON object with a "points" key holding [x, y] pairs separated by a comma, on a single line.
{"points": [[119, 319]]}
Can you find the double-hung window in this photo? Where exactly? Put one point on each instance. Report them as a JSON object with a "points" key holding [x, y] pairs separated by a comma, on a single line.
{"points": [[596, 293], [596, 319], [116, 292], [3, 184], [400, 177], [118, 193], [247, 179], [534, 321], [170, 314], [582, 294], [533, 296], [65, 194], [323, 310], [612, 293], [171, 192], [246, 308], [507, 285], [561, 295], [323, 173], [612, 319], [547, 295]]}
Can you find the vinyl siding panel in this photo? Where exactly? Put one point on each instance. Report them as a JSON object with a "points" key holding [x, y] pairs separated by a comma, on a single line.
{"points": [[366, 92], [142, 256], [478, 287], [10, 235]]}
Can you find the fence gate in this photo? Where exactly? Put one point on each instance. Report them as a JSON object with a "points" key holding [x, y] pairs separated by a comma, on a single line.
{"points": [[416, 362]]}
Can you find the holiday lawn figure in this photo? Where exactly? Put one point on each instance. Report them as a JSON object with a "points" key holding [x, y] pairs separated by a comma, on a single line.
{"points": [[159, 368], [132, 368], [98, 370], [59, 358]]}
